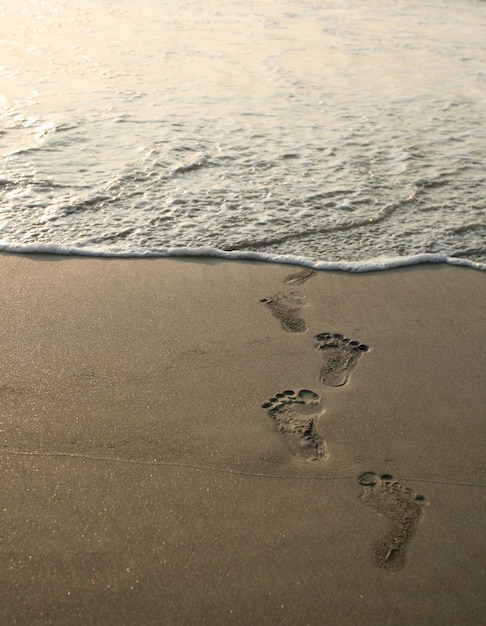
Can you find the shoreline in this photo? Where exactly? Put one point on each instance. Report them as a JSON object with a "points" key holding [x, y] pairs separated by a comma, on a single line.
{"points": [[375, 264], [150, 408]]}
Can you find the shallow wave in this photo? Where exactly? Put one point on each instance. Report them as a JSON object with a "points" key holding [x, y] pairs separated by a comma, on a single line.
{"points": [[254, 130], [370, 265]]}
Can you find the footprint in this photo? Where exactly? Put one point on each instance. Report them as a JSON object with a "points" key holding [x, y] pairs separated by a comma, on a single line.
{"points": [[296, 415], [401, 506], [285, 307], [300, 277], [340, 356]]}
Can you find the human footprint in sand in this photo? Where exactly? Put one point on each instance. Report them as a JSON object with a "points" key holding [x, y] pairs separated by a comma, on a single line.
{"points": [[403, 508], [295, 415], [286, 308], [340, 356]]}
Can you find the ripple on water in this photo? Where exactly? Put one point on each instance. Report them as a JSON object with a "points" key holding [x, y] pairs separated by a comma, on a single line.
{"points": [[246, 128]]}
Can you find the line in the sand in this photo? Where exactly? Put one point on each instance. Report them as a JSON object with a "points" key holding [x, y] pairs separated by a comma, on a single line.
{"points": [[156, 463], [221, 470]]}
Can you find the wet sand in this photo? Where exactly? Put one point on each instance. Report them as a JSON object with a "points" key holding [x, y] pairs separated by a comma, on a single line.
{"points": [[196, 441]]}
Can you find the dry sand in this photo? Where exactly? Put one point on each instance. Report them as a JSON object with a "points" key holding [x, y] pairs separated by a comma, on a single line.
{"points": [[143, 482]]}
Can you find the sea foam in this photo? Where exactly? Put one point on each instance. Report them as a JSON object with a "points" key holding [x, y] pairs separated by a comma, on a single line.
{"points": [[371, 265]]}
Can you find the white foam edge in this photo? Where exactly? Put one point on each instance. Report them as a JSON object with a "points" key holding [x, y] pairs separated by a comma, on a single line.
{"points": [[368, 265]]}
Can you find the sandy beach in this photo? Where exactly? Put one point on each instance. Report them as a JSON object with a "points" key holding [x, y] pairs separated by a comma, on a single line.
{"points": [[197, 441]]}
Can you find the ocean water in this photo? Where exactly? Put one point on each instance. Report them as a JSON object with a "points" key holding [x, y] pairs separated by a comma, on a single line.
{"points": [[335, 133]]}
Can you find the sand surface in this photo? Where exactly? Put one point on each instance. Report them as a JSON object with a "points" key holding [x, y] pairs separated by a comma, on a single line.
{"points": [[144, 482]]}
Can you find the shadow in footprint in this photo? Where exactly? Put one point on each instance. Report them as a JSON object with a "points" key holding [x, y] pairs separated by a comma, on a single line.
{"points": [[401, 506], [339, 357], [285, 307], [295, 415]]}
